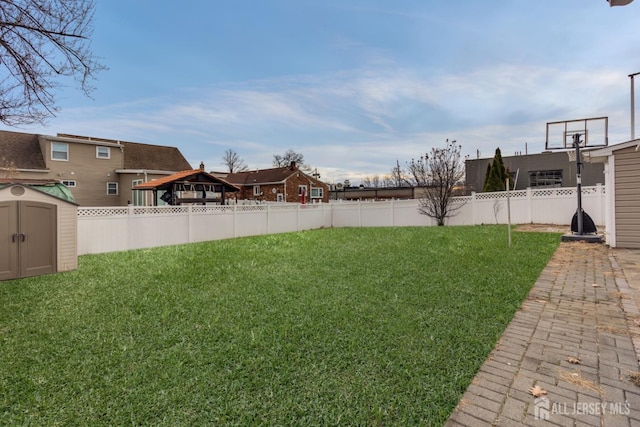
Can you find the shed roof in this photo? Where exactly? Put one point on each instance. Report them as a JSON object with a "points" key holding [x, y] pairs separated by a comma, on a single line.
{"points": [[21, 149], [49, 186], [602, 153]]}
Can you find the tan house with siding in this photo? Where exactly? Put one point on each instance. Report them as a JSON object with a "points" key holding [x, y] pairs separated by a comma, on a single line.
{"points": [[284, 184], [98, 171]]}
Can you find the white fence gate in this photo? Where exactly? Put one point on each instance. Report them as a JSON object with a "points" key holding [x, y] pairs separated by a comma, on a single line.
{"points": [[108, 229]]}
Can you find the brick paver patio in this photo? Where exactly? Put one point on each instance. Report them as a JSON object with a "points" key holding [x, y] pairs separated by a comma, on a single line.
{"points": [[577, 337]]}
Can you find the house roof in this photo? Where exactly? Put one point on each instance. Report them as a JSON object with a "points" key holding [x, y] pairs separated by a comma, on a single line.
{"points": [[195, 175], [141, 156], [261, 176], [156, 157], [21, 149]]}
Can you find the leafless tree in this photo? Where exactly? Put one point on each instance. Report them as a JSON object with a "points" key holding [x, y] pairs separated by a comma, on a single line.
{"points": [[41, 41], [397, 177], [233, 161], [440, 173], [366, 181], [375, 181], [288, 157]]}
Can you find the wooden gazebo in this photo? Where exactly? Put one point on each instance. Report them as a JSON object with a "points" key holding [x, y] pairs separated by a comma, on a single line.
{"points": [[190, 187]]}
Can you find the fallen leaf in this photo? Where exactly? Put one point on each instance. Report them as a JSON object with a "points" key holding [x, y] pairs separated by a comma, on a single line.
{"points": [[573, 360], [537, 391], [635, 378], [595, 285]]}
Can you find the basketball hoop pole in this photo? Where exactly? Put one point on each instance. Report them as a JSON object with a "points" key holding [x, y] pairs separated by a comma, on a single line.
{"points": [[576, 144]]}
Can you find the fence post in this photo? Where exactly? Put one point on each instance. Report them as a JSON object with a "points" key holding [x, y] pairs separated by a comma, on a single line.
{"points": [[235, 219], [130, 219], [359, 213], [473, 208], [601, 204], [529, 205], [268, 219], [393, 213], [189, 224]]}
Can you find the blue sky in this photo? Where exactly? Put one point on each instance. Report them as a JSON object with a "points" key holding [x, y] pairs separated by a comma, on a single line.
{"points": [[353, 85]]}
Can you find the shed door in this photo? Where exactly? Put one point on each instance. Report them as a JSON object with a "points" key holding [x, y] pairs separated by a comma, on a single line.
{"points": [[8, 247], [28, 232]]}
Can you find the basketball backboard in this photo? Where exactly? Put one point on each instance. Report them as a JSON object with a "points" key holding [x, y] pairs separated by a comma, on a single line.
{"points": [[593, 132]]}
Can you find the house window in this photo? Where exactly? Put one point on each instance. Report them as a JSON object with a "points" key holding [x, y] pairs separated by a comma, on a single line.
{"points": [[137, 196], [59, 151], [256, 190], [548, 178], [112, 188], [317, 192], [69, 183], [103, 152], [302, 189]]}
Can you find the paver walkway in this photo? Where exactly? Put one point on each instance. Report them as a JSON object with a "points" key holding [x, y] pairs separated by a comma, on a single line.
{"points": [[577, 337]]}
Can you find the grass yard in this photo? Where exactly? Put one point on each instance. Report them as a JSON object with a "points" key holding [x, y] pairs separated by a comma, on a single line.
{"points": [[371, 326]]}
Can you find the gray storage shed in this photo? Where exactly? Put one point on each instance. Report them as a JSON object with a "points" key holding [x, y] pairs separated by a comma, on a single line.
{"points": [[38, 228], [622, 177]]}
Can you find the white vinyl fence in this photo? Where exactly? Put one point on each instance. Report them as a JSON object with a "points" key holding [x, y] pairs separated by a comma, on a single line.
{"points": [[108, 229]]}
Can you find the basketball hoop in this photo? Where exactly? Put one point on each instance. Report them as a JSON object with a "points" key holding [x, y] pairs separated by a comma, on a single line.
{"points": [[574, 136], [593, 133]]}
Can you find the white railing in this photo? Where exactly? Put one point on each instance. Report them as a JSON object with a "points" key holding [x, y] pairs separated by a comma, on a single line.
{"points": [[107, 229]]}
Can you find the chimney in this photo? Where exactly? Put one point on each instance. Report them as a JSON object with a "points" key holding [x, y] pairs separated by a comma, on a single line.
{"points": [[202, 166], [293, 166]]}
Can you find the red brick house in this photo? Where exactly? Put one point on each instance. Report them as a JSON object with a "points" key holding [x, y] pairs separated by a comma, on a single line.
{"points": [[284, 184]]}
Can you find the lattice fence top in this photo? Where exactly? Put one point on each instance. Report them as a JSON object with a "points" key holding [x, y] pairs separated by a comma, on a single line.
{"points": [[123, 211], [553, 192], [94, 212], [159, 210], [500, 195], [86, 212]]}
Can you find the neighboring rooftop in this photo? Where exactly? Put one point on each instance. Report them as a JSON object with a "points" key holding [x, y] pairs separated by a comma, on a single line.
{"points": [[261, 176], [23, 149], [153, 157], [145, 156]]}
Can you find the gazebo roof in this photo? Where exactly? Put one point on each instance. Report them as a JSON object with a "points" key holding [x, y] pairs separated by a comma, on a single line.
{"points": [[195, 176]]}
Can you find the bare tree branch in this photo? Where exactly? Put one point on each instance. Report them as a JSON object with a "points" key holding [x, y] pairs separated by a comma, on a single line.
{"points": [[440, 174], [289, 156], [233, 161], [42, 41]]}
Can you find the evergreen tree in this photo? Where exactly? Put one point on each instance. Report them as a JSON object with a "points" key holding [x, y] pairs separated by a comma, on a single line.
{"points": [[496, 174], [486, 175]]}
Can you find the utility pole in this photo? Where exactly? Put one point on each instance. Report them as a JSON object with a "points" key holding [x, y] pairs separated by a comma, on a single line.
{"points": [[633, 106]]}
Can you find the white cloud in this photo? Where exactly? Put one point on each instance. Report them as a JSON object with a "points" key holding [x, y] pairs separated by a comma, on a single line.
{"points": [[358, 123]]}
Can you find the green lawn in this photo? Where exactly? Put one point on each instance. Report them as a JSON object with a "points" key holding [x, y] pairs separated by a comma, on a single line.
{"points": [[378, 326]]}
